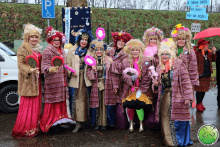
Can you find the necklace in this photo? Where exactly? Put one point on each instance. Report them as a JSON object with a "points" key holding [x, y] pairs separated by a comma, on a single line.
{"points": [[205, 56]]}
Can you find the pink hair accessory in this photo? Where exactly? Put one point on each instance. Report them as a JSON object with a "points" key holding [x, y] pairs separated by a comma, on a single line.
{"points": [[186, 29], [174, 35], [165, 40], [89, 60], [70, 69], [131, 70], [130, 46], [100, 33], [153, 73]]}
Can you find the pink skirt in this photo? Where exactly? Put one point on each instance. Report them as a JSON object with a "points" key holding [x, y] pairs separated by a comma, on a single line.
{"points": [[27, 124], [54, 114]]}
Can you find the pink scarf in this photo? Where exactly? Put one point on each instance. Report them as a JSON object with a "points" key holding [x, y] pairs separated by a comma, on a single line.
{"points": [[136, 84]]}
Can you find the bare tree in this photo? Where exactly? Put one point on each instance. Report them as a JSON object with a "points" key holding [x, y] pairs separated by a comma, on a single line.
{"points": [[179, 5], [157, 5]]}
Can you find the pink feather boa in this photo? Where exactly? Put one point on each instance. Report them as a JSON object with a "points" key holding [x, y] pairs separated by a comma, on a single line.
{"points": [[132, 70], [153, 73], [150, 51]]}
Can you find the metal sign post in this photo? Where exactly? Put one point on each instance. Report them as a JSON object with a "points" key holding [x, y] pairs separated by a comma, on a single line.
{"points": [[48, 9]]}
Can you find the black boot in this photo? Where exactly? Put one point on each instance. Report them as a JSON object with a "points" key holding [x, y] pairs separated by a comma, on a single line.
{"points": [[103, 128], [96, 128]]}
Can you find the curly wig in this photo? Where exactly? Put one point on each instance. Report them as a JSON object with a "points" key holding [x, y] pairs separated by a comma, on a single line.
{"points": [[180, 32], [167, 46], [153, 33], [134, 44], [120, 36]]}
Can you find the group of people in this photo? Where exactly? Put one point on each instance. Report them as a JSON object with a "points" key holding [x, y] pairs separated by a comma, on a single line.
{"points": [[155, 78]]}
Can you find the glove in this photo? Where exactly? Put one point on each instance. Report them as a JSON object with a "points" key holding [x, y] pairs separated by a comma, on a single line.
{"points": [[134, 77], [53, 69], [34, 71], [138, 94]]}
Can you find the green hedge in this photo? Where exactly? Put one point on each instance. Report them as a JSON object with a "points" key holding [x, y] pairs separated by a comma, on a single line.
{"points": [[133, 21]]}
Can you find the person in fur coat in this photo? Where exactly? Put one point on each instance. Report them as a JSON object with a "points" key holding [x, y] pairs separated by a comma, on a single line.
{"points": [[174, 94], [136, 82], [55, 88], [182, 38], [27, 123], [117, 55], [103, 85], [79, 84], [152, 39]]}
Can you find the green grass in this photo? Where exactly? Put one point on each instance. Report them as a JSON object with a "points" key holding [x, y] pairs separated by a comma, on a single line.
{"points": [[133, 21]]}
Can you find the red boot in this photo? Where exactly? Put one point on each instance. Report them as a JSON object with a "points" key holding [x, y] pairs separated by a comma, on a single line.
{"points": [[199, 107], [202, 106]]}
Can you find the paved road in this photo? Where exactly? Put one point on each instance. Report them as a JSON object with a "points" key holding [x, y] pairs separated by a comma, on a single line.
{"points": [[111, 137]]}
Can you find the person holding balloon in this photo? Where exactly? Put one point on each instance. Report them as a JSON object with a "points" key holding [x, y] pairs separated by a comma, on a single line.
{"points": [[79, 84], [103, 83], [55, 88]]}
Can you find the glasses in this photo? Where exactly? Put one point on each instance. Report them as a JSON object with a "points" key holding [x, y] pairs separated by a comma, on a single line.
{"points": [[56, 40]]}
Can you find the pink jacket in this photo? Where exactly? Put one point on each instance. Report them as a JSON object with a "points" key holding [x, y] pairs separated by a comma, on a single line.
{"points": [[54, 88], [181, 91], [118, 73], [190, 61], [111, 82]]}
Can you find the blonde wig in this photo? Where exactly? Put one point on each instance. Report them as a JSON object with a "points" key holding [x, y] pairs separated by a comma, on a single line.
{"points": [[154, 33], [180, 32], [135, 44], [97, 44], [167, 46], [31, 30]]}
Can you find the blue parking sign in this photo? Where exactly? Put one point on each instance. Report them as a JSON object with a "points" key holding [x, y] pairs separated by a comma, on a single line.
{"points": [[48, 8]]}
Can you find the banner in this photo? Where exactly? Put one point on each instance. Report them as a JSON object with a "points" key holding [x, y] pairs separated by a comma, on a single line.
{"points": [[79, 18], [197, 16], [197, 2]]}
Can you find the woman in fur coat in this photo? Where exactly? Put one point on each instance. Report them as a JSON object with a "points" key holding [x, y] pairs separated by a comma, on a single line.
{"points": [[174, 94], [117, 55], [136, 82], [152, 39], [103, 85], [79, 84], [55, 88], [182, 38], [27, 123]]}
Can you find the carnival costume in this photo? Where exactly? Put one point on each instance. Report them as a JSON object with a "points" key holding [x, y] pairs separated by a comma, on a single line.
{"points": [[136, 83], [174, 88], [186, 53], [29, 86], [204, 62], [151, 51], [79, 85], [102, 96], [55, 88], [117, 55]]}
